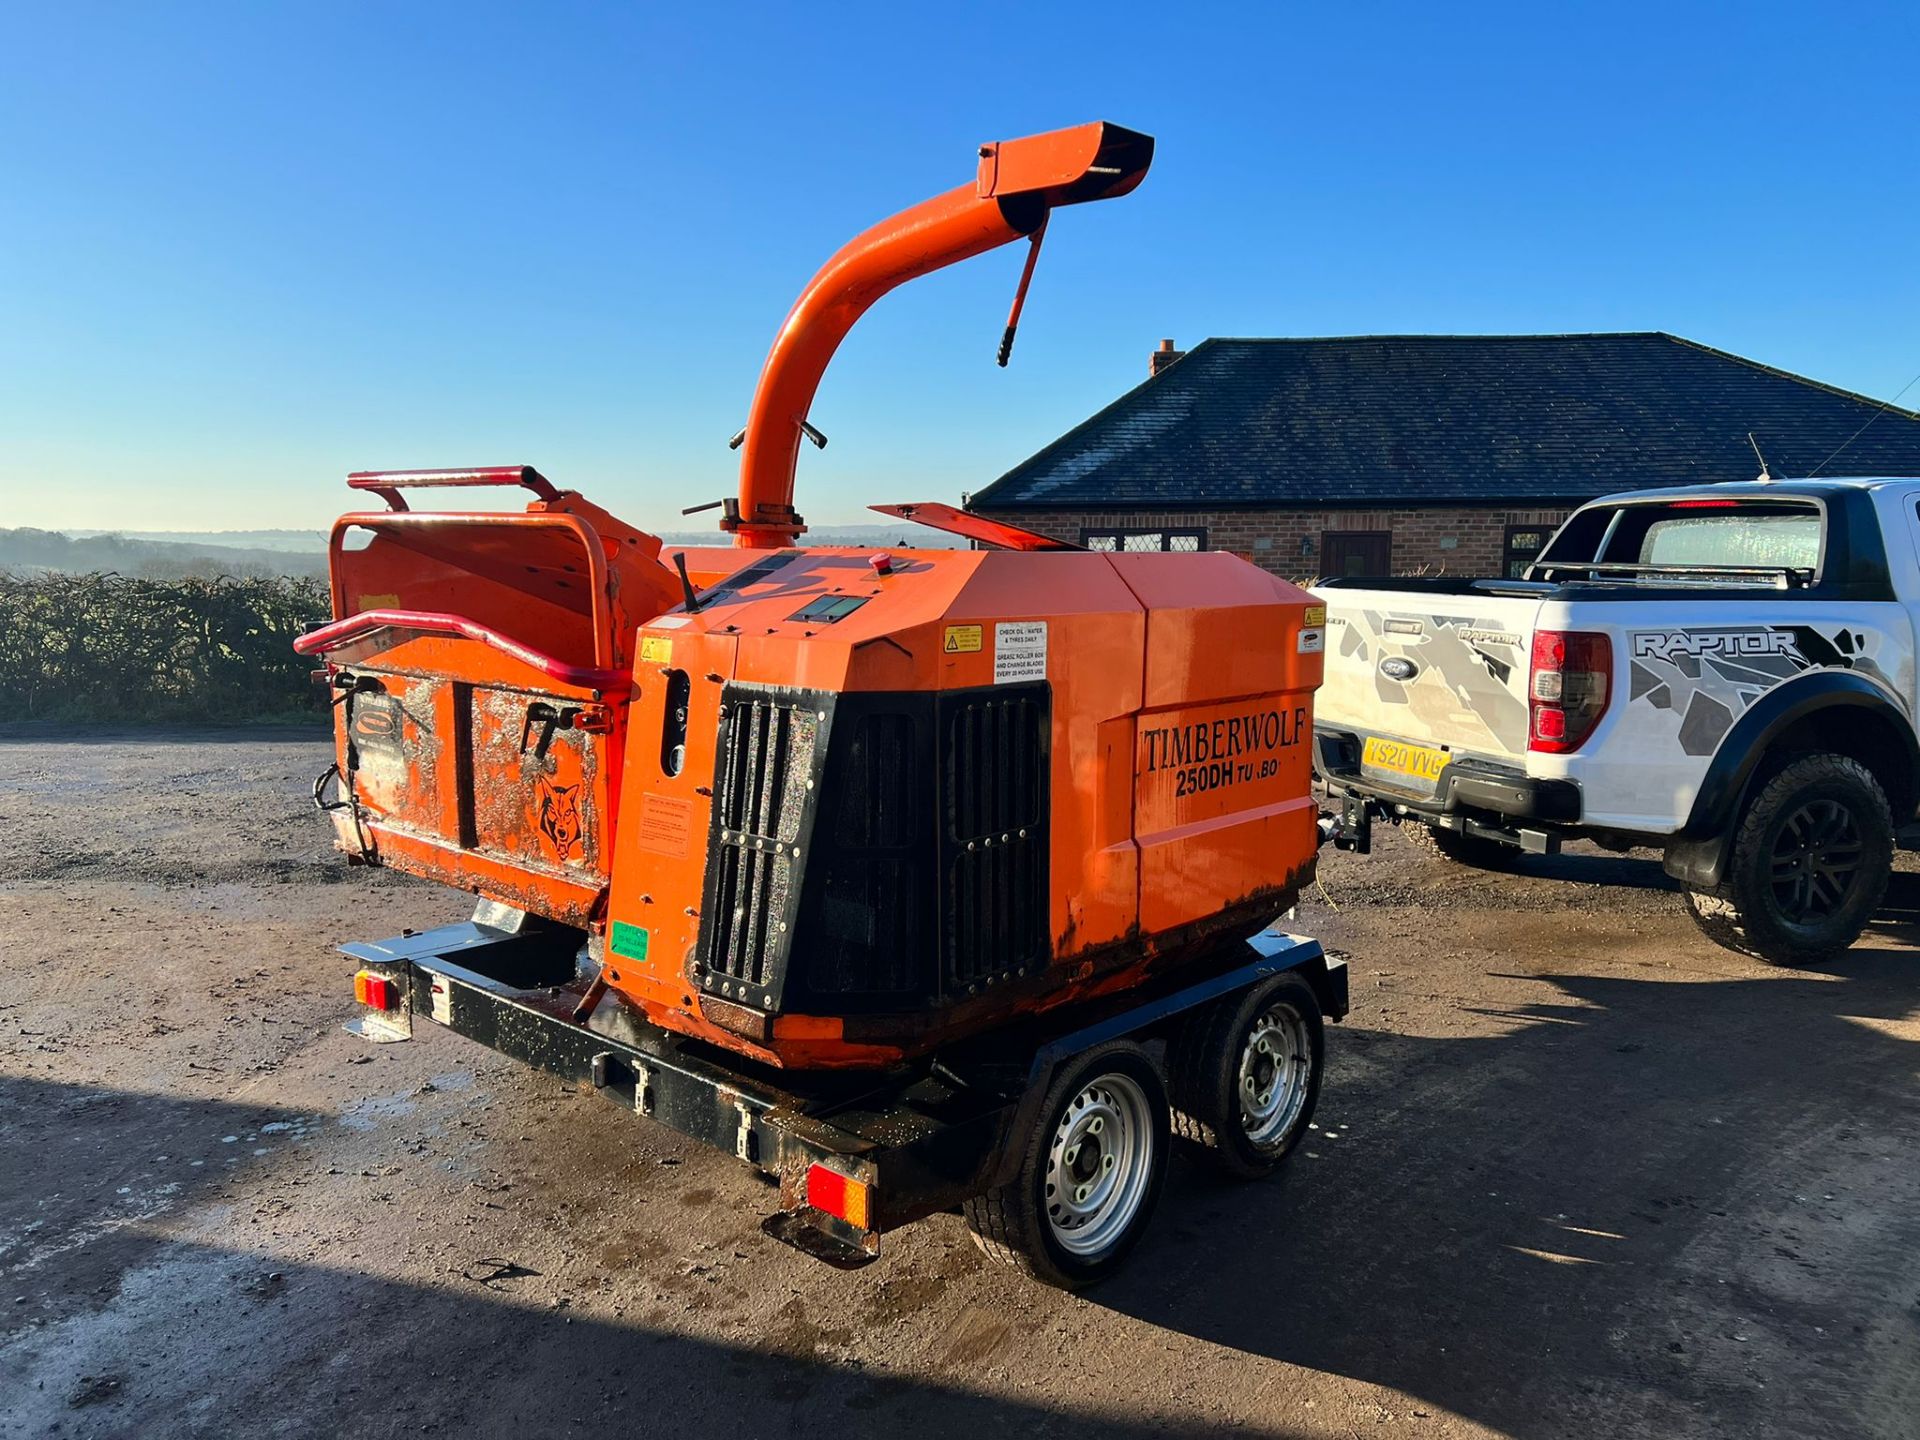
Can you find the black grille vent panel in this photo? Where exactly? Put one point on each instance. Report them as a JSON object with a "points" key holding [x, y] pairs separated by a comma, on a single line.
{"points": [[876, 852], [765, 782], [993, 776], [868, 934]]}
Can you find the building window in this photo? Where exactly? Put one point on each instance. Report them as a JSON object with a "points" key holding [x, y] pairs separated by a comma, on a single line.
{"points": [[1345, 554], [1523, 546], [1144, 539]]}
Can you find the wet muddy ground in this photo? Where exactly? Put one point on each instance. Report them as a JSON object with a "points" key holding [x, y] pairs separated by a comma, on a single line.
{"points": [[1577, 1173]]}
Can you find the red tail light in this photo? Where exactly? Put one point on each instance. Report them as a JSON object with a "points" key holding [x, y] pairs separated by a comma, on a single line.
{"points": [[840, 1195], [1568, 689]]}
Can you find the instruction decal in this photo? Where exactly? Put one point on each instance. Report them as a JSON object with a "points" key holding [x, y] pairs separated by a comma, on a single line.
{"points": [[1019, 651], [666, 824], [656, 650], [961, 639], [628, 941]]}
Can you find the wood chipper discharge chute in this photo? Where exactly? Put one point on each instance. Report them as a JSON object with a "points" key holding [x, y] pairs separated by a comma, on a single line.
{"points": [[822, 808]]}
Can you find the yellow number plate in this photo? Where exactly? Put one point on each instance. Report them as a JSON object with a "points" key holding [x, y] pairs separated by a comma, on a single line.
{"points": [[1421, 762]]}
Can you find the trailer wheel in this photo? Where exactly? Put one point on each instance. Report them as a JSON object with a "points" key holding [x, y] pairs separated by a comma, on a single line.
{"points": [[1470, 850], [1809, 864], [1246, 1075], [1089, 1174]]}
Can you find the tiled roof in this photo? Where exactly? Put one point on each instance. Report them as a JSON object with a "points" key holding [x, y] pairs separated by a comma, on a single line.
{"points": [[1440, 419]]}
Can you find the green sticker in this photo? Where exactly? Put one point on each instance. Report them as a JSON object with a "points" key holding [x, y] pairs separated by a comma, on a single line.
{"points": [[629, 940]]}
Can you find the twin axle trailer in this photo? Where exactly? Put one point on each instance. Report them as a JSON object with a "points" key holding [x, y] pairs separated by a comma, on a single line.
{"points": [[856, 1154], [916, 878]]}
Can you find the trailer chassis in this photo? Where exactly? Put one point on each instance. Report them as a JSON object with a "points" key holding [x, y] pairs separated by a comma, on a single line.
{"points": [[913, 1142]]}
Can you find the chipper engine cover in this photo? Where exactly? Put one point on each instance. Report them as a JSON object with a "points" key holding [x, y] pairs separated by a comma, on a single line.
{"points": [[830, 807], [869, 805]]}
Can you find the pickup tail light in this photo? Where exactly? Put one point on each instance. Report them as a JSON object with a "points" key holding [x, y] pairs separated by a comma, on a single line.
{"points": [[1568, 688]]}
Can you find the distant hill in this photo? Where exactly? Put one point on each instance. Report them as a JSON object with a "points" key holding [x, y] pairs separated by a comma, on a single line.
{"points": [[32, 551], [301, 542], [168, 554]]}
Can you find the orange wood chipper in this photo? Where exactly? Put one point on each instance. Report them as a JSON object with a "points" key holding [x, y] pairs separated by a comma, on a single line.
{"points": [[919, 879]]}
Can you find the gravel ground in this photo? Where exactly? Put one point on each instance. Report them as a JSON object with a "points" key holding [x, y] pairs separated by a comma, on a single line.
{"points": [[1576, 1173]]}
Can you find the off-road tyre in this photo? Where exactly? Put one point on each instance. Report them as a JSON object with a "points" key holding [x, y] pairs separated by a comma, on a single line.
{"points": [[1205, 1068], [1011, 1223], [1468, 850], [1791, 819]]}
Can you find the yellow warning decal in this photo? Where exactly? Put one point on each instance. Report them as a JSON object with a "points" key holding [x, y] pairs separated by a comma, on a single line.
{"points": [[379, 602], [656, 650], [1316, 615], [962, 639]]}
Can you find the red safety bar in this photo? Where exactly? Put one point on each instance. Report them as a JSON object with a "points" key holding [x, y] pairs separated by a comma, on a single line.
{"points": [[342, 633], [388, 483]]}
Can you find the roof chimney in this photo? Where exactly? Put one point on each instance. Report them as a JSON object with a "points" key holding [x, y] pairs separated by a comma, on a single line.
{"points": [[1163, 357]]}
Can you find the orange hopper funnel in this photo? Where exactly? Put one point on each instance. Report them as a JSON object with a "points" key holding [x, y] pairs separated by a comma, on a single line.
{"points": [[1018, 185]]}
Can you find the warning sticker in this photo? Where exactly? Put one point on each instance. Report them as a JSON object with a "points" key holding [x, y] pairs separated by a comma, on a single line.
{"points": [[1316, 615], [1019, 651], [656, 650], [666, 824], [962, 639]]}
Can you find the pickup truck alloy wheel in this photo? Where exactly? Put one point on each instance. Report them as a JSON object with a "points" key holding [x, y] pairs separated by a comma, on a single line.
{"points": [[1246, 1075], [1815, 859], [1807, 866], [1090, 1171]]}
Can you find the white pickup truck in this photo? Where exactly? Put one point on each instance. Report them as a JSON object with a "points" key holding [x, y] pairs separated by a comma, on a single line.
{"points": [[1724, 672]]}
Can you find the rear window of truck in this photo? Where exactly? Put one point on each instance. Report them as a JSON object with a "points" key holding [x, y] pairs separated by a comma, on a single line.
{"points": [[1734, 537], [1764, 542]]}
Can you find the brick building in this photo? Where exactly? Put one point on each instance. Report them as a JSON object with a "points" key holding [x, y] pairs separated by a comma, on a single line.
{"points": [[1410, 453]]}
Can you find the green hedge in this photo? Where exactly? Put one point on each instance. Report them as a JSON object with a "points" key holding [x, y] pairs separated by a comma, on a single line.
{"points": [[109, 647]]}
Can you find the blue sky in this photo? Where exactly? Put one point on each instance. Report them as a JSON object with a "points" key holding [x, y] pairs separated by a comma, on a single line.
{"points": [[245, 248]]}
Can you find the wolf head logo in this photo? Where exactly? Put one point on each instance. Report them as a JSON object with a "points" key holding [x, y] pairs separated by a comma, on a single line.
{"points": [[557, 807]]}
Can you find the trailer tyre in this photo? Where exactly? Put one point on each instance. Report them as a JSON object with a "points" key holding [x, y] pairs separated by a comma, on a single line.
{"points": [[1471, 850], [1090, 1173], [1246, 1075], [1808, 866]]}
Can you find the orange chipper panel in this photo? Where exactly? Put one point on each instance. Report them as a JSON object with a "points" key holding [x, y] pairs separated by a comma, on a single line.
{"points": [[909, 801], [481, 663]]}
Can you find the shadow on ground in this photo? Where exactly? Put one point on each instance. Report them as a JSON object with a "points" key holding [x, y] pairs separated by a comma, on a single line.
{"points": [[1651, 1205]]}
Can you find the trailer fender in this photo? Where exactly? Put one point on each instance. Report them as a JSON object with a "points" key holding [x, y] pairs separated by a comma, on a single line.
{"points": [[1274, 954]]}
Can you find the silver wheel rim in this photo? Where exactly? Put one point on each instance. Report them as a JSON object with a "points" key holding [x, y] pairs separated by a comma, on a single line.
{"points": [[1271, 1083], [1098, 1164]]}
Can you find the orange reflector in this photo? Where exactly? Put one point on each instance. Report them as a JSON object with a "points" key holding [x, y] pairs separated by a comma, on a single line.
{"points": [[839, 1196], [373, 990]]}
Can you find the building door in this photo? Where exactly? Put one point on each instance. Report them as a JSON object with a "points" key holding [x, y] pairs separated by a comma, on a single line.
{"points": [[1345, 554]]}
